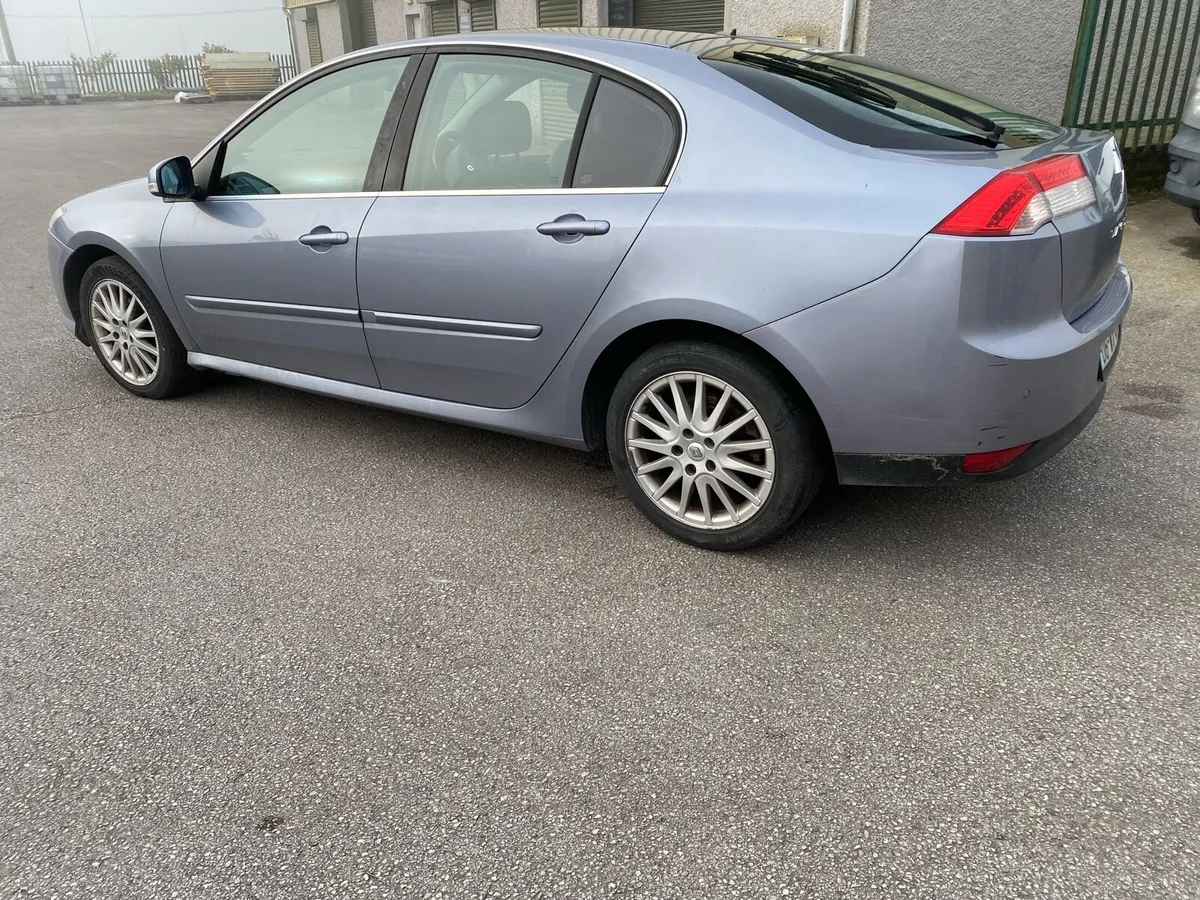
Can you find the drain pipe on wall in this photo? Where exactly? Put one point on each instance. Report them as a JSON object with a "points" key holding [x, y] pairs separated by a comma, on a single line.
{"points": [[849, 18]]}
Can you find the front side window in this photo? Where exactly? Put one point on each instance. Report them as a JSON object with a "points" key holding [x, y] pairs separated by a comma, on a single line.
{"points": [[496, 122], [628, 142], [318, 139]]}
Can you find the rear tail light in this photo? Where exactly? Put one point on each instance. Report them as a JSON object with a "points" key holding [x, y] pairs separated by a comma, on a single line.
{"points": [[992, 461], [1022, 200]]}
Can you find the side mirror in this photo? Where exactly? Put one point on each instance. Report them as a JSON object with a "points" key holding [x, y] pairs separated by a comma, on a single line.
{"points": [[173, 179]]}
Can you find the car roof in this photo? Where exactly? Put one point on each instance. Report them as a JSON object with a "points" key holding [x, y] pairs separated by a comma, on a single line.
{"points": [[696, 43]]}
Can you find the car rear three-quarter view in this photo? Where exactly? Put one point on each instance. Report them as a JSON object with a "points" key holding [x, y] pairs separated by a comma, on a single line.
{"points": [[738, 266]]}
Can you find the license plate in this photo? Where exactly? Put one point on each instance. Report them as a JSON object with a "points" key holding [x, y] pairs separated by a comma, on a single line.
{"points": [[1108, 351]]}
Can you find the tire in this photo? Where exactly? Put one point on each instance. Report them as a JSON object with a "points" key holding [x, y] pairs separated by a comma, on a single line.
{"points": [[149, 365], [1196, 214], [779, 440]]}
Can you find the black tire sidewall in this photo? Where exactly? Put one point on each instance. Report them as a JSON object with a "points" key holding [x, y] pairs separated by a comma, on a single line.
{"points": [[797, 464], [173, 369]]}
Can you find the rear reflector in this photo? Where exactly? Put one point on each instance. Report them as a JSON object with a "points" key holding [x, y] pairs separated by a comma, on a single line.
{"points": [[1022, 200], [993, 461]]}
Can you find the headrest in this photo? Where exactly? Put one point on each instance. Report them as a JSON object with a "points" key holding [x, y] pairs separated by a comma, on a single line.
{"points": [[502, 126]]}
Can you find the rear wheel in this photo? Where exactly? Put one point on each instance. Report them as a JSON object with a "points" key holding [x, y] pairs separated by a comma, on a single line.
{"points": [[129, 332], [1196, 214], [709, 445]]}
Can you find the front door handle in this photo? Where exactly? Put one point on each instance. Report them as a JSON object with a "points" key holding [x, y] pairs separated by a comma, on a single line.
{"points": [[323, 238], [572, 227]]}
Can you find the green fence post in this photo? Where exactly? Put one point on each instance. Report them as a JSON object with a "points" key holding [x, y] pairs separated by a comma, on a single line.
{"points": [[1079, 65]]}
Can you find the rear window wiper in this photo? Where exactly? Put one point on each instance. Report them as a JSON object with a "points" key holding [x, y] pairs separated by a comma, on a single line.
{"points": [[839, 82], [990, 128]]}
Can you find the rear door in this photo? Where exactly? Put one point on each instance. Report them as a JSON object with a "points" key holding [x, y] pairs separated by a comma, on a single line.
{"points": [[505, 223], [263, 268]]}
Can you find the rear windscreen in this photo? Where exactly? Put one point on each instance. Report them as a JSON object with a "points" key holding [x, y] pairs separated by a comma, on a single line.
{"points": [[865, 102]]}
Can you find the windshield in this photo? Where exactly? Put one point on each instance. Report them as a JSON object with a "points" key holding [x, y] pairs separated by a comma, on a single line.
{"points": [[869, 103]]}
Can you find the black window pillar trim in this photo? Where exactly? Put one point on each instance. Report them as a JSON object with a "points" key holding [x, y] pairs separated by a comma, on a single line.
{"points": [[402, 146]]}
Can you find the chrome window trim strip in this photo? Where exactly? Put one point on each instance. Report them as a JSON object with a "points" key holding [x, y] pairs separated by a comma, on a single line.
{"points": [[483, 192], [425, 45], [473, 327], [264, 307]]}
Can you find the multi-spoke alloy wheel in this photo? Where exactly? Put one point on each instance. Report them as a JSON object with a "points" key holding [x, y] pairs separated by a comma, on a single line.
{"points": [[130, 333], [712, 444], [123, 332], [700, 450]]}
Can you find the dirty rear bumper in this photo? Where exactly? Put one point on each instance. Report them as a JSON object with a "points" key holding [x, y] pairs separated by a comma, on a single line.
{"points": [[918, 471]]}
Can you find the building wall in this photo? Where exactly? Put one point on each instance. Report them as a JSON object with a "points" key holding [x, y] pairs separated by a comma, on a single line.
{"points": [[389, 19], [329, 21], [820, 21], [982, 45]]}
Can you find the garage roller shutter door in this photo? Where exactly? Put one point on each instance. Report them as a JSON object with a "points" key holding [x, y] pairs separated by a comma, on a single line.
{"points": [[483, 15], [366, 22], [559, 14], [680, 15], [444, 16], [313, 33]]}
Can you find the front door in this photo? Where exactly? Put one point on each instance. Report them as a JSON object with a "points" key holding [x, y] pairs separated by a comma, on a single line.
{"points": [[263, 269], [475, 278]]}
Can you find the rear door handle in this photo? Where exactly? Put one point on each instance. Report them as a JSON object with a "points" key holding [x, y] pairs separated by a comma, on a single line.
{"points": [[323, 237], [574, 227]]}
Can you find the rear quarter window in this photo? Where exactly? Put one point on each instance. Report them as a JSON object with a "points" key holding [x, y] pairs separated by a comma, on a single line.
{"points": [[865, 102]]}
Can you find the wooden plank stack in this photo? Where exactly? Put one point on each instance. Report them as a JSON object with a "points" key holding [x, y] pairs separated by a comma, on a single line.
{"points": [[239, 74]]}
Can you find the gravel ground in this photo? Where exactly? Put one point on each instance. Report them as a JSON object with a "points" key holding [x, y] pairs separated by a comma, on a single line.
{"points": [[259, 644]]}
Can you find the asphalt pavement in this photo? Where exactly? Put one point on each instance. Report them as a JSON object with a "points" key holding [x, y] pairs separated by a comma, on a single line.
{"points": [[261, 644]]}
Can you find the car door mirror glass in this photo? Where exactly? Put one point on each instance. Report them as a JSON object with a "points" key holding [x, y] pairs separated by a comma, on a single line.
{"points": [[172, 179]]}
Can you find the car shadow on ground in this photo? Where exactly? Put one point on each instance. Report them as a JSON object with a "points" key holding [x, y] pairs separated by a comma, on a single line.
{"points": [[929, 520]]}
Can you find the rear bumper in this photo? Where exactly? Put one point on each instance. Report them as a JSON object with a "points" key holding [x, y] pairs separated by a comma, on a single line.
{"points": [[946, 357], [1183, 176], [917, 471]]}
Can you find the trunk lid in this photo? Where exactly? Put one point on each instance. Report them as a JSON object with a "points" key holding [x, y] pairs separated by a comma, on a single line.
{"points": [[1091, 238]]}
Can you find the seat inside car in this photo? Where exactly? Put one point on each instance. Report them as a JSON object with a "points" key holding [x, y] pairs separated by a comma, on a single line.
{"points": [[490, 156]]}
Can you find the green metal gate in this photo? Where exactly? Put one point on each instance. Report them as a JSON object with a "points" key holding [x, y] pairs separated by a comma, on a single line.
{"points": [[680, 15], [1133, 67]]}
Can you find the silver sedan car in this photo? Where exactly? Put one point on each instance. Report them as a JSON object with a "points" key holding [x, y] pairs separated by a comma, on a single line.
{"points": [[737, 266]]}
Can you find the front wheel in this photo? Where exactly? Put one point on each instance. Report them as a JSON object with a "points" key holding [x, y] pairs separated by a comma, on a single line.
{"points": [[711, 447], [130, 334]]}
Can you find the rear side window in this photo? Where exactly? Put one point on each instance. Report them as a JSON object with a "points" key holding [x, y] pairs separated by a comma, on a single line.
{"points": [[628, 142], [862, 101]]}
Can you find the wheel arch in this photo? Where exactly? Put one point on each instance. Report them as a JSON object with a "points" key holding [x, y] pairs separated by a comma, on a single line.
{"points": [[617, 356], [81, 259]]}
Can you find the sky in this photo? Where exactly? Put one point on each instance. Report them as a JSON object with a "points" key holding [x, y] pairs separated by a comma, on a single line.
{"points": [[135, 29]]}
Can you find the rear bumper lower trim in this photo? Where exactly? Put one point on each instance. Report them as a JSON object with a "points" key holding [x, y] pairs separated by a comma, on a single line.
{"points": [[915, 470]]}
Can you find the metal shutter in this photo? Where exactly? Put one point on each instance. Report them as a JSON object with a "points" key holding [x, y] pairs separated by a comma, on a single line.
{"points": [[558, 119], [559, 14], [366, 22], [680, 15], [313, 33], [483, 15], [445, 17]]}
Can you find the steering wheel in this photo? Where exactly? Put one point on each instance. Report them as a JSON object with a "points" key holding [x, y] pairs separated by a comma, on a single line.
{"points": [[446, 143]]}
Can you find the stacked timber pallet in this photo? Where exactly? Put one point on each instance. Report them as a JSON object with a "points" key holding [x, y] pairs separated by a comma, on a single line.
{"points": [[239, 74]]}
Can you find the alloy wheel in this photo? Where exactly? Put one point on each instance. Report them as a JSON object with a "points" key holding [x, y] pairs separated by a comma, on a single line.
{"points": [[700, 450], [124, 332]]}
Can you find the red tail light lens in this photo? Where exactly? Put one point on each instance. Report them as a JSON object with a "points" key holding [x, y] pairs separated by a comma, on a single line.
{"points": [[993, 461], [1022, 200]]}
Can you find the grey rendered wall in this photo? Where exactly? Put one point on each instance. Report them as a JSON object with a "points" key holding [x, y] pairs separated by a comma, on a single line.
{"points": [[389, 19], [329, 22], [1017, 52], [820, 21]]}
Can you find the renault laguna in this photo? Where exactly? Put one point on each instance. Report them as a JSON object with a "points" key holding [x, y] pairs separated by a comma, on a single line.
{"points": [[737, 266]]}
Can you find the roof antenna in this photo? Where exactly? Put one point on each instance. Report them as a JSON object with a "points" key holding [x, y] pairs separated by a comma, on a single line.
{"points": [[733, 32]]}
